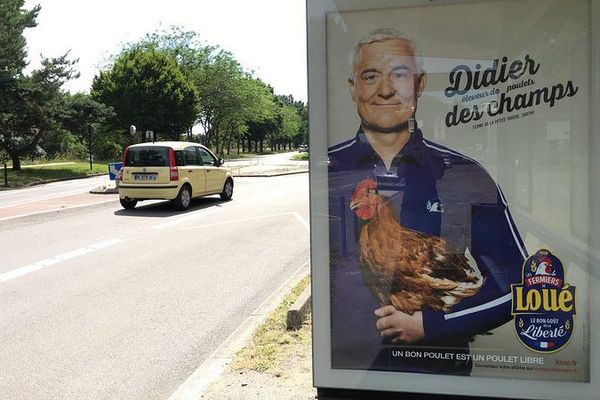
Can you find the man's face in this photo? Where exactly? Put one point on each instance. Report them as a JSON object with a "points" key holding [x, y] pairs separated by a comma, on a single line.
{"points": [[386, 85]]}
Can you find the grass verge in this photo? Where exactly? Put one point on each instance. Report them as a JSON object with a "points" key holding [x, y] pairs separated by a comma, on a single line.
{"points": [[273, 347], [31, 174], [300, 157]]}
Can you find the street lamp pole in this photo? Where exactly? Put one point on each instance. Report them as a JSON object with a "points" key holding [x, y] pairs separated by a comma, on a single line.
{"points": [[90, 146]]}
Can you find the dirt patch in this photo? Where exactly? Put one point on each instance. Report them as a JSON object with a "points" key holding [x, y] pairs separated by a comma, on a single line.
{"points": [[294, 384]]}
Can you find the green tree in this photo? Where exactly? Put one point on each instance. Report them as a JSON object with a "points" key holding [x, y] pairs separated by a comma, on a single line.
{"points": [[83, 116], [230, 98], [146, 87], [29, 104], [251, 101], [301, 135], [289, 126], [13, 21], [33, 108]]}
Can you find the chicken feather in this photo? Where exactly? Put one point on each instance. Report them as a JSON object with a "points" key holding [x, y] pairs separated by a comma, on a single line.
{"points": [[406, 268]]}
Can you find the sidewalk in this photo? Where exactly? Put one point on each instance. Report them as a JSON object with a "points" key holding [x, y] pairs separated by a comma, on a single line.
{"points": [[245, 168]]}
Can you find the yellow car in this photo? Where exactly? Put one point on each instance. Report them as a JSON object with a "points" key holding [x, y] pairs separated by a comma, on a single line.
{"points": [[176, 171]]}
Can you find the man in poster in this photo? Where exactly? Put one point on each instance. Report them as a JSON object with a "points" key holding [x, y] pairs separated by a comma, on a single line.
{"points": [[404, 214]]}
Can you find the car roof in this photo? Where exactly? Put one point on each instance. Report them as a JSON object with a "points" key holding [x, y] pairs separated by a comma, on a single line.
{"points": [[173, 144]]}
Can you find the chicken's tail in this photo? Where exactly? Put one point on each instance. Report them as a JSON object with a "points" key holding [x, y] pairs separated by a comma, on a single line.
{"points": [[455, 291], [470, 287]]}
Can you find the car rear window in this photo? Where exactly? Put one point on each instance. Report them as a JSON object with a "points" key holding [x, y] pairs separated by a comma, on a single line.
{"points": [[147, 157]]}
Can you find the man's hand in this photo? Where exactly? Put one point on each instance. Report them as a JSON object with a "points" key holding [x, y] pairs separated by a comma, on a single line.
{"points": [[400, 327]]}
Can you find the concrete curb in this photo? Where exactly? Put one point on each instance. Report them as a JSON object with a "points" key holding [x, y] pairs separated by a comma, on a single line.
{"points": [[297, 312], [215, 364]]}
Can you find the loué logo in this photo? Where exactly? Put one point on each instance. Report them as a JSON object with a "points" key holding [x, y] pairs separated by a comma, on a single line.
{"points": [[543, 305]]}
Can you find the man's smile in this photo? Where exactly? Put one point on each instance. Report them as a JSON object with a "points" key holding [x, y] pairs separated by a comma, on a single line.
{"points": [[394, 105]]}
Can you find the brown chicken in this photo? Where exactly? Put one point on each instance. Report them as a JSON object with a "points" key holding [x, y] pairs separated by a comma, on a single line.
{"points": [[406, 268]]}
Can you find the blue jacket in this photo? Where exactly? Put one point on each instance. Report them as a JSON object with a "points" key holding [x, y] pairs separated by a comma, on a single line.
{"points": [[437, 191]]}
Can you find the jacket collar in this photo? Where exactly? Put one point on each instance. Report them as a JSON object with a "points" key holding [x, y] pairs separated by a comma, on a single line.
{"points": [[410, 153]]}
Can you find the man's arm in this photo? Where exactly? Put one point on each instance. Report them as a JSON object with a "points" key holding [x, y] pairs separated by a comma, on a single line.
{"points": [[499, 252]]}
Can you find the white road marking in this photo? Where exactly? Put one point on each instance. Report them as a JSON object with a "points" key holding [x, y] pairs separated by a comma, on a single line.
{"points": [[180, 219], [55, 260], [302, 221], [244, 220], [57, 209]]}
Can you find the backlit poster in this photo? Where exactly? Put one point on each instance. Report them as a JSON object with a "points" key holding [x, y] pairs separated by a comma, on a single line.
{"points": [[452, 195]]}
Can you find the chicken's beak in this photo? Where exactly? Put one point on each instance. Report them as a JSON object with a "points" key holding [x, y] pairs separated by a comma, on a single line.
{"points": [[355, 204]]}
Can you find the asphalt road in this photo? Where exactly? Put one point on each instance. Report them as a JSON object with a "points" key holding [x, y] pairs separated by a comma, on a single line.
{"points": [[103, 303]]}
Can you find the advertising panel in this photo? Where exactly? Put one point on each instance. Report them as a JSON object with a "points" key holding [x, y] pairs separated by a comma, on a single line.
{"points": [[453, 193]]}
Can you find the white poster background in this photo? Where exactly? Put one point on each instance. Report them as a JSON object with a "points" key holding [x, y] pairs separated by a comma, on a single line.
{"points": [[541, 161]]}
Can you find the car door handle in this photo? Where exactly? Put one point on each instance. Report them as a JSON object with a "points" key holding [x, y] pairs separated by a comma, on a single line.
{"points": [[208, 170], [190, 170]]}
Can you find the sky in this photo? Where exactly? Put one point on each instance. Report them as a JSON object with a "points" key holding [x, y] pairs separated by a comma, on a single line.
{"points": [[265, 36]]}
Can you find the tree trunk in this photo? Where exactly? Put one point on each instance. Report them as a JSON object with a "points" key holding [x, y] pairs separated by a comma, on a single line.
{"points": [[16, 162], [261, 146]]}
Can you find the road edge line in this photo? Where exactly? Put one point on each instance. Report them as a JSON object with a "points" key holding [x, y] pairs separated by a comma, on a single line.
{"points": [[195, 385]]}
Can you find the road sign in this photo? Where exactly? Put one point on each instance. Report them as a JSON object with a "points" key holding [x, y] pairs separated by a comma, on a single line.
{"points": [[113, 170]]}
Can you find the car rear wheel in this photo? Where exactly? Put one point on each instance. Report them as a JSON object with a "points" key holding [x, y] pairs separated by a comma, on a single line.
{"points": [[184, 198], [128, 204], [227, 192]]}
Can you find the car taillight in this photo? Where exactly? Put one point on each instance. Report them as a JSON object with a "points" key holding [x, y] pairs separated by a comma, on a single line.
{"points": [[120, 173], [173, 171]]}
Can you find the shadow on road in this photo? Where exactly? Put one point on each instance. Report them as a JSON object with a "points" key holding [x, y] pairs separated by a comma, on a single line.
{"points": [[164, 209]]}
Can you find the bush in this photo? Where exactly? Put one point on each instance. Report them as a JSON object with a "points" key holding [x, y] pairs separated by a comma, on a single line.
{"points": [[109, 151], [63, 144]]}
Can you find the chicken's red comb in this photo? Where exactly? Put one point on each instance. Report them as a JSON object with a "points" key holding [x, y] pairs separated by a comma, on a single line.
{"points": [[364, 185], [546, 259]]}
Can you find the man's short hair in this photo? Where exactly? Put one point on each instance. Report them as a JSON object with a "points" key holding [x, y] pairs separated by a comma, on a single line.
{"points": [[380, 35]]}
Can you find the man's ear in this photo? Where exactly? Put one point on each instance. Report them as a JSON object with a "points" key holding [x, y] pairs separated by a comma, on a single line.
{"points": [[421, 84], [352, 89]]}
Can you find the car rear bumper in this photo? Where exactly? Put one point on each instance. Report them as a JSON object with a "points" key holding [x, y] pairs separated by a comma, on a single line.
{"points": [[147, 192]]}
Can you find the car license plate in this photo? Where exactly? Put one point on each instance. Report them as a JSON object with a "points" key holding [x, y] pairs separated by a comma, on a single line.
{"points": [[144, 177]]}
